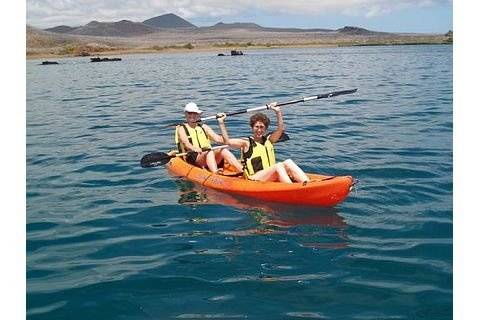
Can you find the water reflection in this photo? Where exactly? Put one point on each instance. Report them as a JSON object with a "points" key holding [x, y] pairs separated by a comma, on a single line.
{"points": [[265, 213]]}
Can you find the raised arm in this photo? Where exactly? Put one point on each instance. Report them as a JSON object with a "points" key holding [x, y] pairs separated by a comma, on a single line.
{"points": [[236, 143], [280, 126], [213, 135]]}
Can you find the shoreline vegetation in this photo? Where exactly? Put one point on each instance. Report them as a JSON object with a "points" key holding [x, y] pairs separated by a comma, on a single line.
{"points": [[44, 44]]}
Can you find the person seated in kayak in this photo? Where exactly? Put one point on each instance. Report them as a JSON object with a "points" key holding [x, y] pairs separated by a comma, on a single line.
{"points": [[257, 151], [194, 136]]}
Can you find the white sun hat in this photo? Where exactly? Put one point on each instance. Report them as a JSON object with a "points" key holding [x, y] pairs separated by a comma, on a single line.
{"points": [[192, 107]]}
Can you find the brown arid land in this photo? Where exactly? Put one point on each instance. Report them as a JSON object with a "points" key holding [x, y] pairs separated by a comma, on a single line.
{"points": [[44, 44]]}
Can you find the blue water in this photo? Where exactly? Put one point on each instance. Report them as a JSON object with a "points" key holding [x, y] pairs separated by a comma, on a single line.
{"points": [[107, 239]]}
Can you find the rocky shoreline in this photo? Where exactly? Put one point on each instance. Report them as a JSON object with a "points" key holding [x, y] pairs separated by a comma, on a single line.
{"points": [[44, 44]]}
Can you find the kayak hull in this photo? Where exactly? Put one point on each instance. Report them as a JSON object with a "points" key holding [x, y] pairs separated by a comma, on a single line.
{"points": [[324, 191]]}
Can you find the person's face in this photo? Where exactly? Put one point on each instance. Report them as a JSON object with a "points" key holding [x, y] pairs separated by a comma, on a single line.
{"points": [[192, 117], [258, 129]]}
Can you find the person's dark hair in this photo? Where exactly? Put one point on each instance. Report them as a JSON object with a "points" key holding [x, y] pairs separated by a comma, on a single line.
{"points": [[259, 117]]}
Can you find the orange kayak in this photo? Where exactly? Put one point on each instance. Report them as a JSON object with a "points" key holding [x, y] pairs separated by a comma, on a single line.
{"points": [[324, 191]]}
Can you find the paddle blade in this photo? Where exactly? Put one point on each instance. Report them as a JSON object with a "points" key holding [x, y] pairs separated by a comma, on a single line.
{"points": [[338, 93], [155, 159], [283, 137]]}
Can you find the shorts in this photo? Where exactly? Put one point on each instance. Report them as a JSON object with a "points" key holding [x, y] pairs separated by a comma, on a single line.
{"points": [[191, 157]]}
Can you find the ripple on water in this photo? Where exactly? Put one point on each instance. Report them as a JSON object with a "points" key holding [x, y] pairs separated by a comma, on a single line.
{"points": [[107, 237]]}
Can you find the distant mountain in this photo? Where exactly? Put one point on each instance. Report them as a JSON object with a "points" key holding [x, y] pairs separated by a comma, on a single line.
{"points": [[236, 25], [124, 28], [62, 29], [37, 38], [102, 38], [168, 21], [356, 31], [255, 27]]}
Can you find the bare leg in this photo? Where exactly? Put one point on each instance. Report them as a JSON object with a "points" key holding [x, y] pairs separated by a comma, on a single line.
{"points": [[282, 173], [207, 159], [211, 161], [230, 158], [295, 171], [274, 173]]}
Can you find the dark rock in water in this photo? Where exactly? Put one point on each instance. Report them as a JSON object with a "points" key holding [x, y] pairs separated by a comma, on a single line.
{"points": [[98, 59], [236, 53], [221, 55], [49, 62]]}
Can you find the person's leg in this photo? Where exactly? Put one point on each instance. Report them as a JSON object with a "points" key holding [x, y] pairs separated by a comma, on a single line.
{"points": [[211, 161], [269, 174], [282, 173], [274, 173], [207, 159], [228, 156], [295, 171]]}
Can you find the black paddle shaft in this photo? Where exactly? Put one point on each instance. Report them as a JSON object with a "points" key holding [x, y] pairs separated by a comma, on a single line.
{"points": [[156, 159], [265, 107]]}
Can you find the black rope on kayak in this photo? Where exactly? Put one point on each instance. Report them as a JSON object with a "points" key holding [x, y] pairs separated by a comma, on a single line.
{"points": [[329, 178], [238, 174]]}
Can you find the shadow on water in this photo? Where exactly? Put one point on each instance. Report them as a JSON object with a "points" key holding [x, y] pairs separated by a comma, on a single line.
{"points": [[307, 223]]}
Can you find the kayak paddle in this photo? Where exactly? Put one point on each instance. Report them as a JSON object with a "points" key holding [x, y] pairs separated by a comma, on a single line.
{"points": [[265, 107], [156, 159]]}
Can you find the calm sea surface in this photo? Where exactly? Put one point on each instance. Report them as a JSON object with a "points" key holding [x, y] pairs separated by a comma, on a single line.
{"points": [[107, 239]]}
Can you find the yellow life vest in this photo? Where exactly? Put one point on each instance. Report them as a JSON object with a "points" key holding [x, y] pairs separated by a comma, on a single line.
{"points": [[259, 156], [196, 136]]}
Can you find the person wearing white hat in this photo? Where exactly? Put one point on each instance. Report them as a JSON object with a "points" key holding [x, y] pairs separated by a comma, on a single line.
{"points": [[194, 136], [192, 108]]}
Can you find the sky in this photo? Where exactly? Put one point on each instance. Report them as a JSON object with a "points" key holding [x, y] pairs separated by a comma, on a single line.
{"points": [[424, 16]]}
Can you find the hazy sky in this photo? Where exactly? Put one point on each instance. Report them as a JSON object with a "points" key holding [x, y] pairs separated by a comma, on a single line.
{"points": [[381, 15]]}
